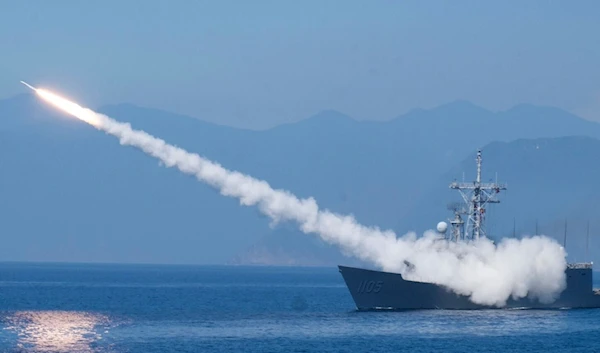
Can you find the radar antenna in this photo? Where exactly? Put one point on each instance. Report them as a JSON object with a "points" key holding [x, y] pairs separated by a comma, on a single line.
{"points": [[457, 222], [476, 196]]}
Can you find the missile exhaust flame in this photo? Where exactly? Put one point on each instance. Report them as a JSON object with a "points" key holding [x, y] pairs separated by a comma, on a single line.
{"points": [[70, 108], [487, 273]]}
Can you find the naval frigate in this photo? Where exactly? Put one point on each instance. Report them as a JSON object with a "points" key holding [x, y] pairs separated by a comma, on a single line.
{"points": [[379, 290]]}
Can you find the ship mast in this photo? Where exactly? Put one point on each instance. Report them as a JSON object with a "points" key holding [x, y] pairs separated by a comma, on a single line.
{"points": [[476, 196]]}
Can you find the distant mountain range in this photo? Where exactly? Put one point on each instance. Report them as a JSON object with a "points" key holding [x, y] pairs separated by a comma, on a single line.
{"points": [[71, 193]]}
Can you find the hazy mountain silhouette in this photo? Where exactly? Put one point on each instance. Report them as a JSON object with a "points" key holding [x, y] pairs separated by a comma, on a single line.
{"points": [[72, 193]]}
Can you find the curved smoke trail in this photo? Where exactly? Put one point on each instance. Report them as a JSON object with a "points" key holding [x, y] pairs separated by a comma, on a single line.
{"points": [[489, 274]]}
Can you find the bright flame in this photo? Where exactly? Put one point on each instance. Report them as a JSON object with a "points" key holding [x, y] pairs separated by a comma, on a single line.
{"points": [[69, 107]]}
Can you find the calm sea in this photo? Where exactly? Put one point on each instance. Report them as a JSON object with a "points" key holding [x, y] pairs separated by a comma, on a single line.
{"points": [[147, 309]]}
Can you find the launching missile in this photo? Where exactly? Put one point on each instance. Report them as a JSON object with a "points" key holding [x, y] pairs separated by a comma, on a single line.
{"points": [[28, 85]]}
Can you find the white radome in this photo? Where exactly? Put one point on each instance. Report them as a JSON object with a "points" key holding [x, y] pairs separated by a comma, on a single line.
{"points": [[442, 227]]}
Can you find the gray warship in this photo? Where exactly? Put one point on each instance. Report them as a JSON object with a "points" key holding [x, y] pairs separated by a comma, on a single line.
{"points": [[374, 290]]}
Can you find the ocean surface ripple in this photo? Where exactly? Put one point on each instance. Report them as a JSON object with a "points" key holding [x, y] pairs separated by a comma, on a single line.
{"points": [[152, 308]]}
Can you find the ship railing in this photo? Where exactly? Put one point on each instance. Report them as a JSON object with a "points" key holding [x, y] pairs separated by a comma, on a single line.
{"points": [[580, 265]]}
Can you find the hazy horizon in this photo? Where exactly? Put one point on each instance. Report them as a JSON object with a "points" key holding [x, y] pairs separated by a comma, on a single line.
{"points": [[263, 64], [266, 63], [456, 102]]}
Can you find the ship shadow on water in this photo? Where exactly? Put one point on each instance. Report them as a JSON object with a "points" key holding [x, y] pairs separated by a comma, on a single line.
{"points": [[441, 323], [383, 310]]}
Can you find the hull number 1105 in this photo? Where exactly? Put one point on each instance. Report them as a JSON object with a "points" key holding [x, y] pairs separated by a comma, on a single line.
{"points": [[370, 286]]}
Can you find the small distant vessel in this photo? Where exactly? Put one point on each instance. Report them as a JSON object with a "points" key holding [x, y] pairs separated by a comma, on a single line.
{"points": [[379, 290]]}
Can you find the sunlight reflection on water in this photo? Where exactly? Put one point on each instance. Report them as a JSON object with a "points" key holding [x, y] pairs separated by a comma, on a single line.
{"points": [[57, 331]]}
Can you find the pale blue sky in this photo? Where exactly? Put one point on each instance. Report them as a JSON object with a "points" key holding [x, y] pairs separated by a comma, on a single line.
{"points": [[260, 63]]}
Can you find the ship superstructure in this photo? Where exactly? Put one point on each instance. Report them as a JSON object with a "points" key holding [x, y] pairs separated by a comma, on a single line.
{"points": [[469, 217], [378, 290]]}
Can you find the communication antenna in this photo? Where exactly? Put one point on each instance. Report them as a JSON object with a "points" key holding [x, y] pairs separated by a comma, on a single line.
{"points": [[514, 227], [565, 240], [536, 227], [587, 240]]}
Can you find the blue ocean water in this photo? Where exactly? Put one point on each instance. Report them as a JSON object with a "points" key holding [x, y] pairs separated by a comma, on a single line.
{"points": [[149, 308]]}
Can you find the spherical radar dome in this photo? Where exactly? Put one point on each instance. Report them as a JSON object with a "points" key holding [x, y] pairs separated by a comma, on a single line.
{"points": [[442, 227]]}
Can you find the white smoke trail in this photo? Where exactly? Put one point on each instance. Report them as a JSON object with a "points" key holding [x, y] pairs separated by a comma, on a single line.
{"points": [[487, 273]]}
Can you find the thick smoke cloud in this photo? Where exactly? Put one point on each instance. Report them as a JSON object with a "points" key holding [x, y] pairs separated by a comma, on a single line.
{"points": [[489, 274]]}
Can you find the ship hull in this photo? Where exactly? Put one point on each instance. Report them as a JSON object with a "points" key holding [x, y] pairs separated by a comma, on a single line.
{"points": [[378, 290]]}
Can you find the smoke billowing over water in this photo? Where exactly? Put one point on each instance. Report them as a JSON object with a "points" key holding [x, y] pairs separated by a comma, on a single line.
{"points": [[487, 273]]}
